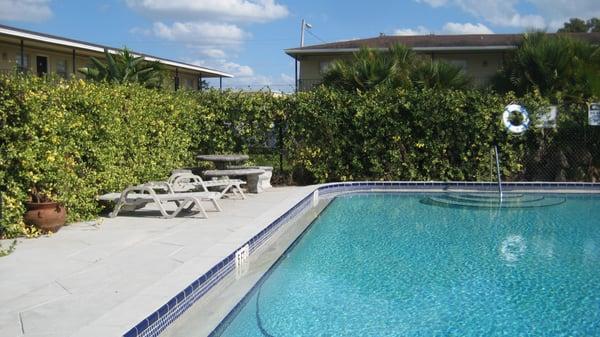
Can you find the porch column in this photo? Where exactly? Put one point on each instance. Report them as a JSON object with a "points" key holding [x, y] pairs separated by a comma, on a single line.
{"points": [[176, 79], [296, 73], [21, 66], [200, 82], [220, 83], [73, 62]]}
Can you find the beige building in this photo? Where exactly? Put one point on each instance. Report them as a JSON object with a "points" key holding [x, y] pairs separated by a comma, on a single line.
{"points": [[43, 54], [479, 55]]}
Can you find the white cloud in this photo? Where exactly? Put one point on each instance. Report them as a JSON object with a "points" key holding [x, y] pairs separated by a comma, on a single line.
{"points": [[25, 10], [200, 32], [213, 53], [287, 79], [246, 78], [237, 70], [211, 29], [434, 3], [465, 28], [409, 31], [225, 10], [449, 28], [140, 31], [558, 12], [500, 13], [549, 14]]}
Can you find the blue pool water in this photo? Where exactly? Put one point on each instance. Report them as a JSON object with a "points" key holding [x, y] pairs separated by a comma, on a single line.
{"points": [[393, 265]]}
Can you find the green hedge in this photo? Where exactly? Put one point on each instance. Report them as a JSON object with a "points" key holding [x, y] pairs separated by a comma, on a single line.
{"points": [[78, 140], [397, 134], [400, 135]]}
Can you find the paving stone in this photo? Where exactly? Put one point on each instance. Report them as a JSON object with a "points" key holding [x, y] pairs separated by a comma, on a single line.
{"points": [[100, 278]]}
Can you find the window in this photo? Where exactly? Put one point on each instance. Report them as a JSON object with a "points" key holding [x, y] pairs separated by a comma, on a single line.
{"points": [[25, 64], [61, 68], [324, 66]]}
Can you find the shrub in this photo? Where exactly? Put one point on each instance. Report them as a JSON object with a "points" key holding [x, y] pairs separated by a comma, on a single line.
{"points": [[77, 140], [400, 135]]}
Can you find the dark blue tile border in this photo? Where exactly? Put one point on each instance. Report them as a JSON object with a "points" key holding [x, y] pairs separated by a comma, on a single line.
{"points": [[159, 320]]}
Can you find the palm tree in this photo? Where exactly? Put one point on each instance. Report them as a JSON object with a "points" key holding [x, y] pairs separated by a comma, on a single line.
{"points": [[551, 65], [125, 67], [370, 68], [441, 75], [398, 67]]}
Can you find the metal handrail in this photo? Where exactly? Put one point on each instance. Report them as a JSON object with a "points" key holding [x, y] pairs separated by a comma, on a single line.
{"points": [[498, 172]]}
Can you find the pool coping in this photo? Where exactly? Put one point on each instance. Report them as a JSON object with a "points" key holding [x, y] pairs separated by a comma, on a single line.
{"points": [[162, 317]]}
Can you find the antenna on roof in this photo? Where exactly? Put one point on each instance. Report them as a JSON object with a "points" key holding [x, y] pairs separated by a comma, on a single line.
{"points": [[305, 26]]}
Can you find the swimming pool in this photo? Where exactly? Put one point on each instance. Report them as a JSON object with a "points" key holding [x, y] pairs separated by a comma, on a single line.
{"points": [[388, 264]]}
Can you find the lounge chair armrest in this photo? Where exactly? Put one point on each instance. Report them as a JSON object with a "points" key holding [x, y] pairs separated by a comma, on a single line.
{"points": [[157, 185]]}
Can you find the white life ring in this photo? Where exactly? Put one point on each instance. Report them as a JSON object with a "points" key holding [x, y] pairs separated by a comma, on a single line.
{"points": [[510, 126]]}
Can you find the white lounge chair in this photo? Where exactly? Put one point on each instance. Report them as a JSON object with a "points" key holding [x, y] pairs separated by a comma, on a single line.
{"points": [[185, 181], [138, 196]]}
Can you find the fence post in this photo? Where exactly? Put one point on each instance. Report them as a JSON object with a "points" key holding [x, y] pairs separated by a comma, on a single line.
{"points": [[280, 141]]}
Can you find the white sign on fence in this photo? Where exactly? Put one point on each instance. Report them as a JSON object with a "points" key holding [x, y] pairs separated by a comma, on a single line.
{"points": [[594, 114], [547, 117]]}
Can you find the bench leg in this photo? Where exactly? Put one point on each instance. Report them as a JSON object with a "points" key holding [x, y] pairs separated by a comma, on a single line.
{"points": [[253, 183]]}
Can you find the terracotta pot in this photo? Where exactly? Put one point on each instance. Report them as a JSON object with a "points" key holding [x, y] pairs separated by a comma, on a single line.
{"points": [[47, 216]]}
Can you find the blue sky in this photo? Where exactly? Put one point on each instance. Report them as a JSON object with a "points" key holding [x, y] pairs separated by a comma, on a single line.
{"points": [[247, 37]]}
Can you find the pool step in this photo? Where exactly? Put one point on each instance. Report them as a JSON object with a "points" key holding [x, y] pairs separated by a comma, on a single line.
{"points": [[489, 201], [506, 199]]}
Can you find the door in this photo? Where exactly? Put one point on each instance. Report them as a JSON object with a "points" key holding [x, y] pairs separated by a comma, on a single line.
{"points": [[42, 65]]}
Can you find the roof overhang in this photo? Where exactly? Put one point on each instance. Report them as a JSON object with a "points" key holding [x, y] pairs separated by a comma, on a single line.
{"points": [[320, 51], [90, 47]]}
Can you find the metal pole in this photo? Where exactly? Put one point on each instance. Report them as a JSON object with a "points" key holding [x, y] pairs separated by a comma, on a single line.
{"points": [[302, 33], [280, 146], [498, 171], [302, 28]]}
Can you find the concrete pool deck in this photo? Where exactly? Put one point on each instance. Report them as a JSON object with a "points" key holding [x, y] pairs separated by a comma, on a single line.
{"points": [[102, 278]]}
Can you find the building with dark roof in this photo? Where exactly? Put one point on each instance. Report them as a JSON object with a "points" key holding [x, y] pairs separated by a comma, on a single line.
{"points": [[479, 55], [41, 53]]}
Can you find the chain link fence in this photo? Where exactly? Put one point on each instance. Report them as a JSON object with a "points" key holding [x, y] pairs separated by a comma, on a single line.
{"points": [[565, 148]]}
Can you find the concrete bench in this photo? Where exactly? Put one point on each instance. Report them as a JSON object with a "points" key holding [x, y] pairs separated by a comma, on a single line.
{"points": [[252, 177], [264, 179]]}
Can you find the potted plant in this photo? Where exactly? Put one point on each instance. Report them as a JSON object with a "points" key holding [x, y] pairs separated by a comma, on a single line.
{"points": [[44, 213]]}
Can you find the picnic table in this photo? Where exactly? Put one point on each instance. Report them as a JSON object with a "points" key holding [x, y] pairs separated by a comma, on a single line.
{"points": [[221, 161]]}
